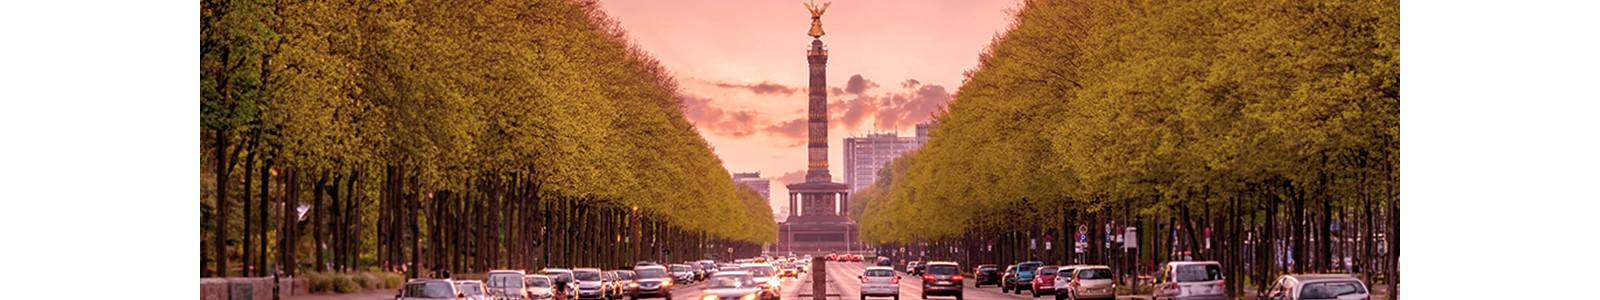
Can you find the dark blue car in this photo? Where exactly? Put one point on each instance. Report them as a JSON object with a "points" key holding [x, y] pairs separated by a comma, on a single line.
{"points": [[1026, 272]]}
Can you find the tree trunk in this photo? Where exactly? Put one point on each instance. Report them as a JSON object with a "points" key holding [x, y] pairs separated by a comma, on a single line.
{"points": [[317, 212], [266, 189], [219, 232], [249, 172]]}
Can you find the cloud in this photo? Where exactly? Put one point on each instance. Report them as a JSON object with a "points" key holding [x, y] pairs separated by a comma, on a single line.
{"points": [[891, 110], [704, 113], [910, 83], [762, 88], [857, 85], [792, 177], [794, 130]]}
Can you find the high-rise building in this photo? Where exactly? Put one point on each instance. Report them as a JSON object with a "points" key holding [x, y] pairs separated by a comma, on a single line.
{"points": [[754, 180], [865, 156]]}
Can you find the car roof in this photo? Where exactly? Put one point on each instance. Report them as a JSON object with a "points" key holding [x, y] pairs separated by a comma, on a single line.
{"points": [[536, 275], [507, 271], [732, 273], [586, 269], [1319, 277], [1197, 262], [943, 263], [555, 270], [428, 280], [880, 268], [1090, 266], [651, 267], [469, 282]]}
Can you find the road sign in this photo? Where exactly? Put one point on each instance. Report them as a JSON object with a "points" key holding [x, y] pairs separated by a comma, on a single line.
{"points": [[1130, 237], [1083, 229], [1333, 225], [1082, 238]]}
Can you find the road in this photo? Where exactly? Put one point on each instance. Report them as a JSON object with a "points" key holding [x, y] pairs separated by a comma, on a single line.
{"points": [[844, 275]]}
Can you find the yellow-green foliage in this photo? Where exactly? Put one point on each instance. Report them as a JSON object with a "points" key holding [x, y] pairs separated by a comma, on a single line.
{"points": [[1085, 105]]}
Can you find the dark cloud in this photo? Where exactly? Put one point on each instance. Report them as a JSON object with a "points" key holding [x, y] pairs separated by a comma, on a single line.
{"points": [[893, 110], [761, 88], [910, 83], [704, 113], [793, 130], [792, 177], [857, 85]]}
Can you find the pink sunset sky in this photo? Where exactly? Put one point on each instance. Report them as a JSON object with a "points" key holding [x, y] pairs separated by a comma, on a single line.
{"points": [[742, 68]]}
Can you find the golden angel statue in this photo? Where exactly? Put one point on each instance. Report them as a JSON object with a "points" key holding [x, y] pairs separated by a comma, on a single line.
{"points": [[816, 18]]}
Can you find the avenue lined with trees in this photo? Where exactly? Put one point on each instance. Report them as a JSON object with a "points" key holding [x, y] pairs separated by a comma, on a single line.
{"points": [[1235, 131], [449, 135]]}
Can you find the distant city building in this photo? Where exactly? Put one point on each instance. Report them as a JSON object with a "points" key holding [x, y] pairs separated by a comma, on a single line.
{"points": [[754, 180], [864, 156]]}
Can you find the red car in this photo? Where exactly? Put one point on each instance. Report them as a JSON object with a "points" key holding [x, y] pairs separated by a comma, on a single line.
{"points": [[1044, 284]]}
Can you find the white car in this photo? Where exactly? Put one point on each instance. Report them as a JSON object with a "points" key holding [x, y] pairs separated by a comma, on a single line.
{"points": [[1317, 287], [880, 281], [428, 289]]}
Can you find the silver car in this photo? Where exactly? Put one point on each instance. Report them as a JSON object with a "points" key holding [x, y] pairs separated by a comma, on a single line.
{"points": [[472, 289], [505, 285], [1089, 282], [428, 289], [880, 281], [591, 284], [539, 286], [1317, 287], [1190, 280]]}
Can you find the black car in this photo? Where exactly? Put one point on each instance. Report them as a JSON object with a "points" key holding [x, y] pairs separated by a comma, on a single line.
{"points": [[941, 278], [919, 268], [1008, 279], [884, 262], [986, 274]]}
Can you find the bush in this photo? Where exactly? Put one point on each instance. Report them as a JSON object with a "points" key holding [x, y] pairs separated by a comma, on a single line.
{"points": [[364, 280], [390, 280], [318, 282], [344, 285]]}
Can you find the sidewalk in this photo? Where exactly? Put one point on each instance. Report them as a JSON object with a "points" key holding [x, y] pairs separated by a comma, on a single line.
{"points": [[378, 294]]}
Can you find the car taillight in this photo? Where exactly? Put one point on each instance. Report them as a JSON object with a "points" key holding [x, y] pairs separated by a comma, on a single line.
{"points": [[957, 277], [863, 280], [895, 280], [1219, 284], [927, 277]]}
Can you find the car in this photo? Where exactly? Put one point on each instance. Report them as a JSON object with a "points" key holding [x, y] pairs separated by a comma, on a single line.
{"points": [[539, 287], [1189, 280], [911, 267], [709, 266], [735, 285], [505, 285], [789, 270], [591, 283], [561, 281], [697, 273], [942, 278], [880, 281], [764, 274], [921, 267], [884, 262], [654, 281], [1025, 273], [1045, 282], [621, 279], [428, 289], [680, 273], [985, 274], [472, 289], [727, 267], [1008, 279], [1090, 282], [1316, 286], [1062, 279]]}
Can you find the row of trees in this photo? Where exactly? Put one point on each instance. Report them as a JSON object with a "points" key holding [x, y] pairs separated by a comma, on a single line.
{"points": [[456, 135], [1236, 131]]}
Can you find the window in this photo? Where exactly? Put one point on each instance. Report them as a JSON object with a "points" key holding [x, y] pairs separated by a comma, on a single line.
{"points": [[759, 271], [1330, 290], [879, 273], [1199, 272], [730, 281], [1095, 273], [652, 273], [504, 280], [430, 290], [624, 276], [1028, 267], [539, 281], [1047, 271], [586, 275], [942, 269], [471, 289]]}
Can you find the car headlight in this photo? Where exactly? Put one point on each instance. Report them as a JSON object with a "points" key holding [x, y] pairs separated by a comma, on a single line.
{"points": [[633, 284], [666, 283], [709, 297], [749, 297]]}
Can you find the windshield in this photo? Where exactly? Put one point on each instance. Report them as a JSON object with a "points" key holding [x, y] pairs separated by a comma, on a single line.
{"points": [[470, 289], [563, 277], [1027, 267], [624, 276], [431, 290], [730, 281], [759, 271], [651, 273], [586, 275], [987, 269], [1192, 273], [539, 281], [1047, 271], [504, 281], [1330, 290], [679, 268], [942, 269], [1094, 273]]}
